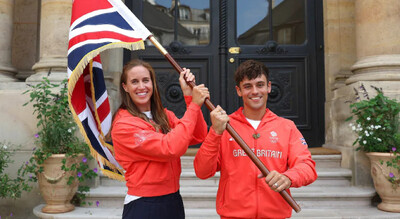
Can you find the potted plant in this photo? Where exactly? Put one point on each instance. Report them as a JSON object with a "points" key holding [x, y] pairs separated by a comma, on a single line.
{"points": [[10, 187], [377, 127], [60, 160]]}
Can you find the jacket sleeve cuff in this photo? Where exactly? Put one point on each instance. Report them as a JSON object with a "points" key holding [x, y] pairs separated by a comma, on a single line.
{"points": [[211, 141], [213, 133], [292, 175], [188, 100], [193, 106]]}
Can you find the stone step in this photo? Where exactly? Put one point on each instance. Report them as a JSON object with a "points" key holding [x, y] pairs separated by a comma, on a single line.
{"points": [[196, 213], [327, 161], [368, 212], [323, 164], [107, 196], [189, 178], [115, 213], [333, 197], [306, 197], [322, 161], [204, 197], [106, 181], [332, 177], [326, 177]]}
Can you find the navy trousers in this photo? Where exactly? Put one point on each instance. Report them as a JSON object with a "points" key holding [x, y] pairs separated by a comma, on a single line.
{"points": [[159, 207]]}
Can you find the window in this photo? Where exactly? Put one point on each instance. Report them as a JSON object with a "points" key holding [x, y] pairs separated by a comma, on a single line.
{"points": [[189, 25], [254, 21]]}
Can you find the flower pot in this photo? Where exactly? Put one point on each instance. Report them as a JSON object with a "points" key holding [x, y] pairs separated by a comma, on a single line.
{"points": [[53, 184], [390, 195]]}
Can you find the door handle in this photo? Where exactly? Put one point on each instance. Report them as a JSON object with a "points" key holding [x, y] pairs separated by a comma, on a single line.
{"points": [[234, 50]]}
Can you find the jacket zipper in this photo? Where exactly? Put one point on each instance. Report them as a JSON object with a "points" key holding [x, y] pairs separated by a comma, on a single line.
{"points": [[256, 171]]}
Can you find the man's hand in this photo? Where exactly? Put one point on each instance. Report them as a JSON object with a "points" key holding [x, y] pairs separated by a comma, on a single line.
{"points": [[277, 181], [219, 118]]}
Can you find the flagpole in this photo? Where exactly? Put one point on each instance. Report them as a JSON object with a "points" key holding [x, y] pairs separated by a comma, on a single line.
{"points": [[289, 199]]}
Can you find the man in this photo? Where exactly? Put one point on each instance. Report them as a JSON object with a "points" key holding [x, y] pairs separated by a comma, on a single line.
{"points": [[275, 140]]}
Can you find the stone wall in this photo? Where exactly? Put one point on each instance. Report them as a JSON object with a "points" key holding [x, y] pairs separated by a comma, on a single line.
{"points": [[362, 47], [34, 42], [18, 126]]}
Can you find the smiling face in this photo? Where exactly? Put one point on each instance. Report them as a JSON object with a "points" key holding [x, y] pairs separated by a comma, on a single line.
{"points": [[139, 86], [254, 93]]}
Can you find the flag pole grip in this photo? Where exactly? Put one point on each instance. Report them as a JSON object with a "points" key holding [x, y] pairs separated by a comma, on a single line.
{"points": [[289, 199]]}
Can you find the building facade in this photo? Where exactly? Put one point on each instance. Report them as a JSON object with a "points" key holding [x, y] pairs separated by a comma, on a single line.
{"points": [[354, 42]]}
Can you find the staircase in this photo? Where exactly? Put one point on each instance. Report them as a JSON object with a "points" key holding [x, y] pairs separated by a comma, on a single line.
{"points": [[330, 196]]}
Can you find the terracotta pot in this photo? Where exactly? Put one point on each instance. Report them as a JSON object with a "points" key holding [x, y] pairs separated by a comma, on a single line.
{"points": [[380, 172], [53, 184]]}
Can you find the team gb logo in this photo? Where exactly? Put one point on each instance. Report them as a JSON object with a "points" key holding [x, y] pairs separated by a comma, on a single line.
{"points": [[274, 137]]}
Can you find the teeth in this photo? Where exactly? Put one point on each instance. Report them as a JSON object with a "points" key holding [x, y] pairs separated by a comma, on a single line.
{"points": [[255, 98], [141, 94]]}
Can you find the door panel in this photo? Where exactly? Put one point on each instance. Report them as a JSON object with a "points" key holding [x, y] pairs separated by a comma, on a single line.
{"points": [[188, 39], [168, 81], [289, 93], [202, 34], [289, 52]]}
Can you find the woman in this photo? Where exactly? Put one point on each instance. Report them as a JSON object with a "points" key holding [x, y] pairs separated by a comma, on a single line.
{"points": [[149, 141]]}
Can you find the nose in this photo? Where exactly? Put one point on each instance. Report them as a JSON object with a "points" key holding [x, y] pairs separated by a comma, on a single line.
{"points": [[254, 90], [141, 84]]}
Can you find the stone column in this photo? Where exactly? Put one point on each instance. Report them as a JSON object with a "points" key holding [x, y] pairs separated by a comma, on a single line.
{"points": [[55, 19], [377, 41], [25, 37], [7, 71], [377, 49], [112, 61], [340, 55]]}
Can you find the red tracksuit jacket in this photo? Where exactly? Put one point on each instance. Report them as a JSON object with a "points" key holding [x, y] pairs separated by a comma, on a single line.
{"points": [[280, 146], [152, 159]]}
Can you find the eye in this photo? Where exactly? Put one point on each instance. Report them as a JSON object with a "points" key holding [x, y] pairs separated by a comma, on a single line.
{"points": [[134, 81], [146, 80], [260, 84], [246, 86]]}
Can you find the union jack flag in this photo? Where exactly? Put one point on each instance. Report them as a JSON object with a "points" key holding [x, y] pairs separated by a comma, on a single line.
{"points": [[97, 25]]}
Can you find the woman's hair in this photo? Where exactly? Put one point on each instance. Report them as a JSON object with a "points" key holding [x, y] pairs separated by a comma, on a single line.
{"points": [[250, 69], [157, 110]]}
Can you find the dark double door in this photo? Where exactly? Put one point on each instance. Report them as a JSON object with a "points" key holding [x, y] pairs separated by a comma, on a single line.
{"points": [[213, 37]]}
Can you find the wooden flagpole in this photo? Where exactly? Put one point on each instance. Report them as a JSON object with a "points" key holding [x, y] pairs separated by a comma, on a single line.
{"points": [[229, 128]]}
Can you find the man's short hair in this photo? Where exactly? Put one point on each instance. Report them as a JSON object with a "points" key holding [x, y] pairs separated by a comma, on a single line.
{"points": [[250, 69]]}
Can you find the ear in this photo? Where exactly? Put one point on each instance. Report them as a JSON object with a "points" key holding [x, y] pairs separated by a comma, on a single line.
{"points": [[238, 91], [124, 86], [269, 87]]}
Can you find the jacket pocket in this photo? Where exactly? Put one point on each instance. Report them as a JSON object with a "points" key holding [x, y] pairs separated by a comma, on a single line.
{"points": [[221, 195], [157, 172]]}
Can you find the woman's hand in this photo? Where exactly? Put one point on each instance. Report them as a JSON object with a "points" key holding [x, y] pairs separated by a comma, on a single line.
{"points": [[184, 77], [199, 94], [219, 118]]}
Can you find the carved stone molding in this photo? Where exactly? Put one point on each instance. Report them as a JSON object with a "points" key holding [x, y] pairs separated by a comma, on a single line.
{"points": [[376, 68]]}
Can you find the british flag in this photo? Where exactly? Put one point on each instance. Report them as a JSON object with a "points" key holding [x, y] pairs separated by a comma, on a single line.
{"points": [[97, 25]]}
